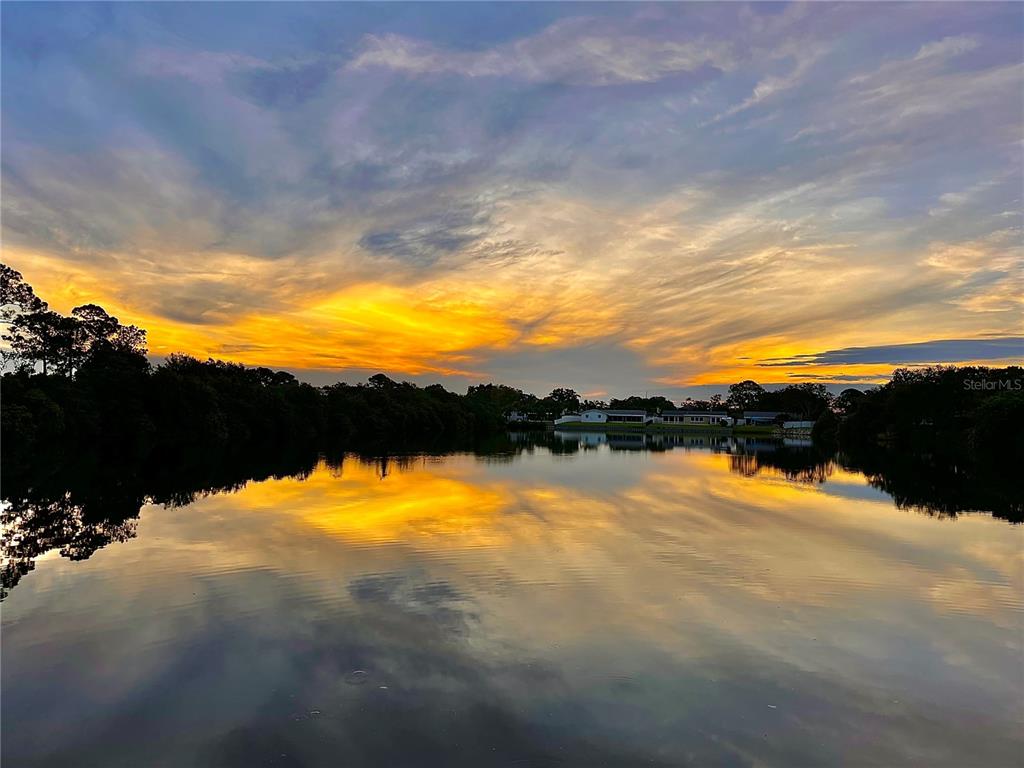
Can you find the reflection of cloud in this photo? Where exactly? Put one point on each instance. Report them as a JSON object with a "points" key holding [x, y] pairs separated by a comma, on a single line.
{"points": [[435, 601]]}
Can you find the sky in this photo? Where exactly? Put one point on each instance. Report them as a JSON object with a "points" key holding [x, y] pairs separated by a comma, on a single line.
{"points": [[619, 198]]}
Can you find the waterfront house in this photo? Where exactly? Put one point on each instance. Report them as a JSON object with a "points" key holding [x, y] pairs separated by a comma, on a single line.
{"points": [[606, 416], [761, 418], [697, 418]]}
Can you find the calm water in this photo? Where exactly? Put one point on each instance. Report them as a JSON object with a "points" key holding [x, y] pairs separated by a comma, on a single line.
{"points": [[585, 606]]}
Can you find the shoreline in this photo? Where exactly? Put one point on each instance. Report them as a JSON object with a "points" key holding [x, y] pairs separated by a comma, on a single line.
{"points": [[580, 426]]}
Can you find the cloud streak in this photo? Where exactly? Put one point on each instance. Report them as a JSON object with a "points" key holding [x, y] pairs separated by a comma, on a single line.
{"points": [[574, 52], [938, 351]]}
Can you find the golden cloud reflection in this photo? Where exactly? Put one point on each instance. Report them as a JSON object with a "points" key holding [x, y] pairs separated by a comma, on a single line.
{"points": [[358, 504], [681, 529]]}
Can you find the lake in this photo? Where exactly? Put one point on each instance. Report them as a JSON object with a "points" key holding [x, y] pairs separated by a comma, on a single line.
{"points": [[572, 600]]}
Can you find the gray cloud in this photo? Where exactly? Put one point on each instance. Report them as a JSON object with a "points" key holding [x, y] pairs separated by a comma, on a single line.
{"points": [[423, 241], [938, 351]]}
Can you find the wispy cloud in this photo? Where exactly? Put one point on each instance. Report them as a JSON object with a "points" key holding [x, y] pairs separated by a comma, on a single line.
{"points": [[576, 52]]}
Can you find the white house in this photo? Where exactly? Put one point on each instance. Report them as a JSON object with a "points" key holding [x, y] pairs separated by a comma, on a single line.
{"points": [[604, 416], [697, 418]]}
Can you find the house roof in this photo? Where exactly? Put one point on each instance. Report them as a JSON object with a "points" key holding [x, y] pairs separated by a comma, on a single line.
{"points": [[608, 412]]}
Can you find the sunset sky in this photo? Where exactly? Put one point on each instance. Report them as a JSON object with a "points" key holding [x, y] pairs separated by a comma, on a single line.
{"points": [[616, 198]]}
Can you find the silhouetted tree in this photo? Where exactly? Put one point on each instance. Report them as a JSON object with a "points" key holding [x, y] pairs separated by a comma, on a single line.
{"points": [[847, 400], [950, 407], [804, 401], [653, 405], [16, 296], [562, 400], [40, 336], [745, 396]]}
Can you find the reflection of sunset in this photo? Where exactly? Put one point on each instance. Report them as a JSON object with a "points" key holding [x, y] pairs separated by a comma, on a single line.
{"points": [[765, 538], [359, 505]]}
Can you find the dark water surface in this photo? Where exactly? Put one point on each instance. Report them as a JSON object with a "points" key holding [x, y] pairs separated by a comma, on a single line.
{"points": [[591, 602]]}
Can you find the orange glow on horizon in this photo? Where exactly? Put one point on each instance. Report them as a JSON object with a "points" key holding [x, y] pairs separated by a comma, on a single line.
{"points": [[449, 325]]}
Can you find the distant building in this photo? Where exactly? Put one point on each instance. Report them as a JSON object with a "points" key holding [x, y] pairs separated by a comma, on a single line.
{"points": [[513, 416], [697, 418], [604, 416], [762, 418], [569, 418]]}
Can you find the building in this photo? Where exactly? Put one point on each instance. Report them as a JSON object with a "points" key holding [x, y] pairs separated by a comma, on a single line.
{"points": [[603, 416], [761, 418], [514, 416], [697, 418]]}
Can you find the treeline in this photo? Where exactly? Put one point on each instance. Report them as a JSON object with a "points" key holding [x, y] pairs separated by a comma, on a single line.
{"points": [[974, 410], [806, 401], [117, 401]]}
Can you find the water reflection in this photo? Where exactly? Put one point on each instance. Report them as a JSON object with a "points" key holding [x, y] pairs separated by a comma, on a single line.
{"points": [[79, 506], [550, 599]]}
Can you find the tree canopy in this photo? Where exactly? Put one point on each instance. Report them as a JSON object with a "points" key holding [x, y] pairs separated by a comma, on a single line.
{"points": [[40, 336]]}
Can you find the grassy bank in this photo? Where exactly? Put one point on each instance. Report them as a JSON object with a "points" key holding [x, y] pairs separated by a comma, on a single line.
{"points": [[621, 427]]}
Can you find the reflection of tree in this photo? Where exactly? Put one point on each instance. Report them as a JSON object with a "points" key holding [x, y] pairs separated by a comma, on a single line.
{"points": [[932, 483], [802, 466], [939, 484], [387, 463], [77, 505], [928, 479], [33, 528], [745, 464]]}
